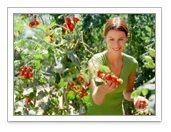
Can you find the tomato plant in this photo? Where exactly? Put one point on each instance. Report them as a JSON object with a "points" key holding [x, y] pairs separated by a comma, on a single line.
{"points": [[46, 55]]}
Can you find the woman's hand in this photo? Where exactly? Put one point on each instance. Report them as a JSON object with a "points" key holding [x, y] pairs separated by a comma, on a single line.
{"points": [[107, 87], [140, 102]]}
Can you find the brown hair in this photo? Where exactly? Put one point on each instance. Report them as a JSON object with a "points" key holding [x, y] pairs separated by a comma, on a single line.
{"points": [[116, 23]]}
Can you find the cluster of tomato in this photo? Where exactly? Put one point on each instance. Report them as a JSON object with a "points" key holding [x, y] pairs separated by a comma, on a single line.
{"points": [[70, 24], [26, 72], [109, 77], [50, 35], [34, 23], [77, 89]]}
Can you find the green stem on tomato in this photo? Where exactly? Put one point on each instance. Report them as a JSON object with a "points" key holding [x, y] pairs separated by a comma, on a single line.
{"points": [[66, 102]]}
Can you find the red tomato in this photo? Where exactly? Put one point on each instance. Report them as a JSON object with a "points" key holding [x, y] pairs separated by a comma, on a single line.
{"points": [[76, 88], [36, 22], [68, 20], [71, 84], [24, 68], [76, 19], [99, 73], [21, 73], [114, 78], [27, 100], [118, 83], [87, 84], [71, 27], [64, 26], [81, 95], [30, 74], [35, 16], [80, 74], [80, 79], [31, 24], [14, 35], [69, 89], [51, 36], [50, 28], [108, 77], [82, 89], [26, 76], [29, 70], [143, 102], [85, 94]]}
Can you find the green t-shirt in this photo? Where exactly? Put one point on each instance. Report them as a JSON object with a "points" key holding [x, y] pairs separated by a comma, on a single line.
{"points": [[113, 101]]}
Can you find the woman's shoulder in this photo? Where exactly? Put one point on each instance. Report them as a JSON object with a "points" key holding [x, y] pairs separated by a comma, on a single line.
{"points": [[99, 57], [130, 58]]}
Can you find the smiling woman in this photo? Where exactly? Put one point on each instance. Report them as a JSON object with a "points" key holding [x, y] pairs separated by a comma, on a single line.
{"points": [[106, 99]]}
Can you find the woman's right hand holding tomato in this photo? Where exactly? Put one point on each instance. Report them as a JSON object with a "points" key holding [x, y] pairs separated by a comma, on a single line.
{"points": [[107, 87]]}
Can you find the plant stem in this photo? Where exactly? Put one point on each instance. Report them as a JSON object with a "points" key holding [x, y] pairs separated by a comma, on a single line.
{"points": [[65, 98]]}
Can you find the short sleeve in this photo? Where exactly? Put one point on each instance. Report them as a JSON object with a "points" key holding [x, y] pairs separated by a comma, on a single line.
{"points": [[98, 58], [134, 65]]}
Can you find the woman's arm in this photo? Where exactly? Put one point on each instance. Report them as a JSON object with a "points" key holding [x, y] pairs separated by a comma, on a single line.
{"points": [[99, 93], [129, 89]]}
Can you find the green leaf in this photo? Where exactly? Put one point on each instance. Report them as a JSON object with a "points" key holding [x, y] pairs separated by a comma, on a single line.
{"points": [[52, 24], [94, 73], [47, 39], [103, 68], [70, 95], [46, 55], [59, 68], [30, 46], [147, 58], [135, 93], [68, 77], [144, 91], [41, 95], [38, 57], [31, 95], [26, 21], [19, 27], [55, 100], [44, 28], [73, 57], [37, 64], [19, 43], [99, 81], [62, 83], [44, 106], [51, 80]]}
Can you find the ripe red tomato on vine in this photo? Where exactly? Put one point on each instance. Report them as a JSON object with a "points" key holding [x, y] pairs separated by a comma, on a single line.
{"points": [[87, 84], [36, 22], [31, 24], [82, 89], [27, 100], [80, 79], [76, 19], [71, 84], [81, 95], [21, 73]]}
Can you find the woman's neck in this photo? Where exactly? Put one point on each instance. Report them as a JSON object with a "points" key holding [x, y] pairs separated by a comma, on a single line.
{"points": [[114, 59]]}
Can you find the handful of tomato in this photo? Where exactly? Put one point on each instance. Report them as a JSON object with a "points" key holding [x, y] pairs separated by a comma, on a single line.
{"points": [[109, 77]]}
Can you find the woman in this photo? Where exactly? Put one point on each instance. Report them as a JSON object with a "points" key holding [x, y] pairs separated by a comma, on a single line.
{"points": [[106, 99]]}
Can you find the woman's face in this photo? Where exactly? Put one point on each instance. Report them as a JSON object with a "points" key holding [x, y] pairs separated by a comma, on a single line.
{"points": [[116, 41]]}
